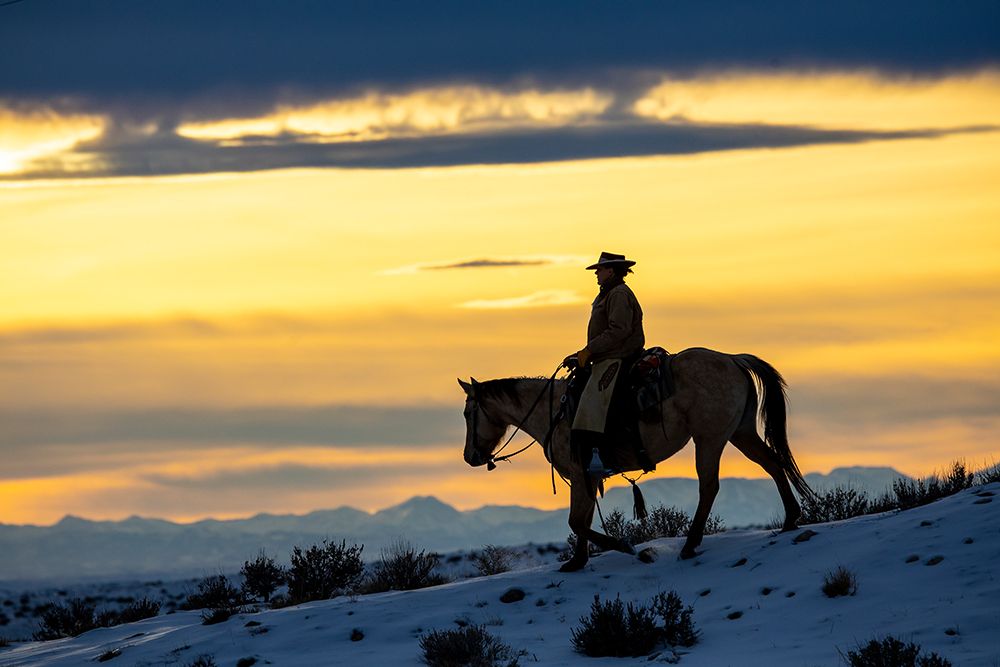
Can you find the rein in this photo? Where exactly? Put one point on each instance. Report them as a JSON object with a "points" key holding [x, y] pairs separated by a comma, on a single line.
{"points": [[639, 505], [549, 387]]}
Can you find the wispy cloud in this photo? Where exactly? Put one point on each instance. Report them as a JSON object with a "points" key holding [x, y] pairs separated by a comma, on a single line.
{"points": [[27, 135], [486, 263], [542, 299], [380, 115], [831, 100]]}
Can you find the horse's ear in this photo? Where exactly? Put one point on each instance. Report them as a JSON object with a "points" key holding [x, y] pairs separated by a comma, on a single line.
{"points": [[466, 387]]}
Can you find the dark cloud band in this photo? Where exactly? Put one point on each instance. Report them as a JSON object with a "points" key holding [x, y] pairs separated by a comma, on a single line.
{"points": [[121, 47], [172, 155]]}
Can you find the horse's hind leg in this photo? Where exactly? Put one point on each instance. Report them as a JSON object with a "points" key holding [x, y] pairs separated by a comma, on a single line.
{"points": [[708, 453], [749, 442]]}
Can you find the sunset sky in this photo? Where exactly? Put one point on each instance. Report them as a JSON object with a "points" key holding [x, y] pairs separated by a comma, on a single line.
{"points": [[247, 248]]}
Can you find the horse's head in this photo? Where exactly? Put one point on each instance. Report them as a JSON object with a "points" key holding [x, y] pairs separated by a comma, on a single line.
{"points": [[482, 431]]}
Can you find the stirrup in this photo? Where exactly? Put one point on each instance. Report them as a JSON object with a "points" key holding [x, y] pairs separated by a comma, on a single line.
{"points": [[597, 467]]}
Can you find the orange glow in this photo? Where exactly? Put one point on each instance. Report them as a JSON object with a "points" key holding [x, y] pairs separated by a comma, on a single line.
{"points": [[871, 261], [815, 217]]}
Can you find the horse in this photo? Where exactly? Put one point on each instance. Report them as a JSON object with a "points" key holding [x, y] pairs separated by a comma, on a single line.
{"points": [[715, 401]]}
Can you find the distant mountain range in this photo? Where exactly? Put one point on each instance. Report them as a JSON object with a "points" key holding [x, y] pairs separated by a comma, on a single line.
{"points": [[76, 549]]}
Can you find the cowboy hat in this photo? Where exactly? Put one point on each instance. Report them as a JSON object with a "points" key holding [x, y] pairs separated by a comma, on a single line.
{"points": [[611, 259]]}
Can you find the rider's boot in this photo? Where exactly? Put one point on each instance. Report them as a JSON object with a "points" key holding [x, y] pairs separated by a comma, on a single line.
{"points": [[587, 447]]}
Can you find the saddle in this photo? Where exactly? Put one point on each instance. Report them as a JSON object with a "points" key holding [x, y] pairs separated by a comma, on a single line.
{"points": [[647, 382], [652, 380]]}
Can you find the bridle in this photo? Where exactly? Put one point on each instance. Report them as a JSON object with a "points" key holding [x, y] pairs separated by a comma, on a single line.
{"points": [[553, 421]]}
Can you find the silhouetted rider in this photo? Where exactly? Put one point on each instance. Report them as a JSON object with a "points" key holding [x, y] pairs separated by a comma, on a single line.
{"points": [[614, 341]]}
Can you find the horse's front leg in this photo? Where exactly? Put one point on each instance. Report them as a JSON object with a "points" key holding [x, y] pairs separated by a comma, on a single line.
{"points": [[581, 513]]}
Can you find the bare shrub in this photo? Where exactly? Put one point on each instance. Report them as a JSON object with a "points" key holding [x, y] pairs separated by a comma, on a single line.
{"points": [[261, 577], [835, 504], [891, 652], [839, 583], [80, 615], [471, 646], [914, 493], [138, 610], [324, 571], [203, 661], [217, 615], [661, 521], [214, 592], [678, 627], [618, 630], [70, 620], [401, 568], [957, 479], [493, 560], [105, 618], [989, 474]]}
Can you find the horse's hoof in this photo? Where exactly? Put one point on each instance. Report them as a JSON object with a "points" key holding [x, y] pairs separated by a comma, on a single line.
{"points": [[688, 554], [571, 566]]}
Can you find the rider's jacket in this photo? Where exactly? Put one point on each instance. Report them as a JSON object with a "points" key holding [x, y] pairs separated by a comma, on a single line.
{"points": [[615, 329]]}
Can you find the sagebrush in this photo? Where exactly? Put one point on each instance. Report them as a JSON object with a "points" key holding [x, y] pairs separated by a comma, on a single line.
{"points": [[324, 571], [77, 616], [215, 592], [661, 521], [989, 474], [892, 652], [401, 567], [471, 646], [66, 620], [203, 661], [836, 504], [261, 577], [139, 610], [615, 629], [845, 502], [493, 560], [840, 582]]}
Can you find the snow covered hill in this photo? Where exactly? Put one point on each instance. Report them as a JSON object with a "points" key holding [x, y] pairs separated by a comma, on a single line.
{"points": [[77, 549], [927, 575]]}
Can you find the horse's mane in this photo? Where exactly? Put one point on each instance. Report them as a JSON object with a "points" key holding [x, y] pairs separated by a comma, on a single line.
{"points": [[503, 388]]}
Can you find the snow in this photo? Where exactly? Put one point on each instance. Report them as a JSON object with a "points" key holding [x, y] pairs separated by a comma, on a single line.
{"points": [[78, 550], [795, 624]]}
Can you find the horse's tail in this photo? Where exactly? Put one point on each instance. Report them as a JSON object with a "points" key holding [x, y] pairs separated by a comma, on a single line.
{"points": [[772, 414]]}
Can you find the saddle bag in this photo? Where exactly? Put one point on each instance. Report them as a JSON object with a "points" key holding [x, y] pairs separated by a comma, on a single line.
{"points": [[652, 382]]}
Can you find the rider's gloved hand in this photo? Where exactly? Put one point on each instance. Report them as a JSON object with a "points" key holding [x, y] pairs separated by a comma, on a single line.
{"points": [[570, 361]]}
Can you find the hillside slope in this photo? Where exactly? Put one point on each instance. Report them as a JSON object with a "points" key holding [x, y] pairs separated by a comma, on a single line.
{"points": [[926, 575], [77, 549]]}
